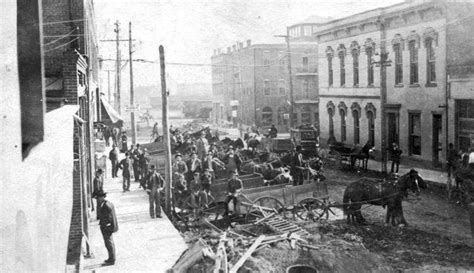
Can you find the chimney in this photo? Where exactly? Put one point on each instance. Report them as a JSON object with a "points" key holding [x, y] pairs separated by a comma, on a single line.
{"points": [[228, 49], [234, 47], [219, 51], [241, 45], [249, 42]]}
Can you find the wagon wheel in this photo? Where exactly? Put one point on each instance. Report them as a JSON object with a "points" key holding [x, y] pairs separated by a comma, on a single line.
{"points": [[264, 206], [312, 209]]}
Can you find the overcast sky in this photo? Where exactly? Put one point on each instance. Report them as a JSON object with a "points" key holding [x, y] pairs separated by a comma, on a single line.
{"points": [[191, 29]]}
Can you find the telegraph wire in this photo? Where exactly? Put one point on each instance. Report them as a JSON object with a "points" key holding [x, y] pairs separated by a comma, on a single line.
{"points": [[60, 38], [59, 46]]}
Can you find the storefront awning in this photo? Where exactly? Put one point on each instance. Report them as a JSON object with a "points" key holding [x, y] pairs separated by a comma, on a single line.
{"points": [[110, 117]]}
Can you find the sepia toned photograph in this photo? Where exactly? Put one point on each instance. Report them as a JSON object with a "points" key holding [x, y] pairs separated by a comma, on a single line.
{"points": [[235, 136]]}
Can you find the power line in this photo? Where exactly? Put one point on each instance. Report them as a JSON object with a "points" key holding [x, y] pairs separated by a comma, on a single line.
{"points": [[60, 38], [62, 45], [66, 21]]}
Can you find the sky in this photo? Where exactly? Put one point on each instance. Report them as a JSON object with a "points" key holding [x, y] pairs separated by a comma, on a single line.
{"points": [[190, 30]]}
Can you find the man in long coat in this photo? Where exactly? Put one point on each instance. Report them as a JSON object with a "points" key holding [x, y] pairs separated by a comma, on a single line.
{"points": [[108, 224]]}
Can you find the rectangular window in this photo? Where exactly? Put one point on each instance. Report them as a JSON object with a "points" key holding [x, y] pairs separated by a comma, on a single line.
{"points": [[342, 66], [430, 62], [330, 72], [413, 62], [415, 133], [342, 113], [355, 69], [355, 115], [305, 64], [282, 87], [370, 67], [397, 48], [305, 87], [266, 61], [266, 87]]}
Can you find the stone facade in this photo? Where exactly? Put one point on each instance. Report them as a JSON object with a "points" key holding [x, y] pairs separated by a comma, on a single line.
{"points": [[414, 36], [254, 79]]}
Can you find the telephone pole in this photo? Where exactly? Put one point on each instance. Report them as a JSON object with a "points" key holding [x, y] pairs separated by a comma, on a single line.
{"points": [[290, 76], [118, 61], [166, 136], [132, 95]]}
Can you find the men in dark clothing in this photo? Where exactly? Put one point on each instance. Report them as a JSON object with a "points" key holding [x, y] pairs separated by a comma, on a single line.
{"points": [[136, 163], [396, 154], [124, 140], [143, 161], [108, 224], [154, 188], [98, 182], [298, 167], [113, 156], [453, 159], [206, 181], [273, 131], [125, 166], [234, 188], [232, 161]]}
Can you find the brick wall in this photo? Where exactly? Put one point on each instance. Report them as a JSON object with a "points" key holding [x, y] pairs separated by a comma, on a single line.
{"points": [[75, 231]]}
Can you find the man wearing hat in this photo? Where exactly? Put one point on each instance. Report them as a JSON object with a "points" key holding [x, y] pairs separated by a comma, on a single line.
{"points": [[125, 166], [179, 165], [108, 224], [234, 188], [98, 182], [232, 161], [206, 181], [113, 156], [298, 167], [202, 146], [154, 188], [194, 165]]}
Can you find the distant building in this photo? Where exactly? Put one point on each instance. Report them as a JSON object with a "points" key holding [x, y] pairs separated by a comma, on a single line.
{"points": [[426, 42], [251, 85]]}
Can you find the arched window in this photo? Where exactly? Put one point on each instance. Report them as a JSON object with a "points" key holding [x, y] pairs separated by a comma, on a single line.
{"points": [[413, 44], [342, 113], [267, 116], [330, 55], [341, 52], [369, 50], [355, 107], [331, 121], [355, 51], [430, 61], [370, 118]]}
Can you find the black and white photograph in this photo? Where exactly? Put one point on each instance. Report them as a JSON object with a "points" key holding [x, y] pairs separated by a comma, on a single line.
{"points": [[235, 136]]}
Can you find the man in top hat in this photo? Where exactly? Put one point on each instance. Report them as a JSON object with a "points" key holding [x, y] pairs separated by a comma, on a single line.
{"points": [[396, 154], [98, 182], [234, 188], [124, 139], [154, 187], [125, 165], [108, 224], [113, 156]]}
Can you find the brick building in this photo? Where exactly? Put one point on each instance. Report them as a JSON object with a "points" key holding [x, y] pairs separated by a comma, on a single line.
{"points": [[250, 85], [421, 38], [71, 76]]}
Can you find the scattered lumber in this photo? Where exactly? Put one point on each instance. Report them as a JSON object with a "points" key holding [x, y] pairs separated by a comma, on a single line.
{"points": [[191, 256], [247, 254]]}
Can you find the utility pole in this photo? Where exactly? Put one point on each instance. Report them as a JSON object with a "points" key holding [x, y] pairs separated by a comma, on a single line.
{"points": [[290, 76], [132, 95], [117, 31], [166, 132], [384, 62]]}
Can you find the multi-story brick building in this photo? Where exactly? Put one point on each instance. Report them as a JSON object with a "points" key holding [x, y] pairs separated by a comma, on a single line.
{"points": [[421, 38], [251, 85], [71, 76]]}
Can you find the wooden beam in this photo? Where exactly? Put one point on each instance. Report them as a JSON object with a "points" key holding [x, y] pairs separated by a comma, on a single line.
{"points": [[247, 254]]}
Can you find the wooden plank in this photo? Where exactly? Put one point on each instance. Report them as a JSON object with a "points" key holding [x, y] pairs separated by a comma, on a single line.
{"points": [[247, 254], [191, 256]]}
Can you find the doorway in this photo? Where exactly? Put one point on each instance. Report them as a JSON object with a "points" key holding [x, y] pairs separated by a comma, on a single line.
{"points": [[392, 120], [437, 137]]}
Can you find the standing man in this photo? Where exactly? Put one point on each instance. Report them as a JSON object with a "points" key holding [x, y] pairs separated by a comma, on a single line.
{"points": [[154, 188], [125, 166], [396, 154], [144, 160], [273, 131], [98, 182], [108, 224], [113, 156], [124, 140], [202, 146], [232, 161], [234, 188], [298, 167], [136, 163], [179, 165]]}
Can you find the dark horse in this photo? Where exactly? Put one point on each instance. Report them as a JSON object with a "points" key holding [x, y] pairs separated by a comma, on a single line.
{"points": [[381, 193]]}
